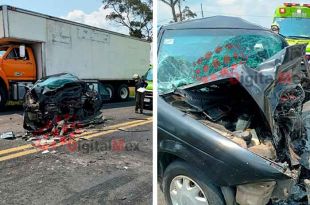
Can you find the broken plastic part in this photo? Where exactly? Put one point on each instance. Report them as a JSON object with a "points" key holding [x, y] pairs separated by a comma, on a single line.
{"points": [[254, 194], [7, 135], [265, 149]]}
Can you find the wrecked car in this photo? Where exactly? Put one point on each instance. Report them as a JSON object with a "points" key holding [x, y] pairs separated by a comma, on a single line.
{"points": [[61, 96], [233, 115]]}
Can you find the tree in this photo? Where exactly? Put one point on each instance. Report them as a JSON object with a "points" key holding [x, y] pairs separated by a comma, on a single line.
{"points": [[172, 4], [136, 15], [182, 15], [186, 14]]}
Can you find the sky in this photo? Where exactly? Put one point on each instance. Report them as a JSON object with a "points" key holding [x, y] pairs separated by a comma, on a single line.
{"points": [[89, 12], [256, 11]]}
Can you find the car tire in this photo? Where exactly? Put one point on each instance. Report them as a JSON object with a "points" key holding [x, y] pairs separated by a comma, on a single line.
{"points": [[207, 191], [111, 91], [123, 92], [3, 98]]}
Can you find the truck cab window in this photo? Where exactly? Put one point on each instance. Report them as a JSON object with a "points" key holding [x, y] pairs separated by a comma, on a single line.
{"points": [[3, 51], [14, 54]]}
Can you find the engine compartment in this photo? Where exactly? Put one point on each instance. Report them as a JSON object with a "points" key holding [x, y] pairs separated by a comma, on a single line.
{"points": [[230, 110]]}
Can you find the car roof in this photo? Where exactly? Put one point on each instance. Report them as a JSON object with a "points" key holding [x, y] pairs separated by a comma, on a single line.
{"points": [[215, 22]]}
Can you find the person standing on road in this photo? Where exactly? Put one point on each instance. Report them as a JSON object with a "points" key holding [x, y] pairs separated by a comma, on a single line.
{"points": [[139, 92]]}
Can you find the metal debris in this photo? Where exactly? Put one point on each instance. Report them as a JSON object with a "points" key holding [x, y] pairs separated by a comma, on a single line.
{"points": [[7, 136]]}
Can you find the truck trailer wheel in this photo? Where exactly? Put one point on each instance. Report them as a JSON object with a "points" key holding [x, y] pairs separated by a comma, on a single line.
{"points": [[185, 184], [111, 91], [3, 98], [123, 92]]}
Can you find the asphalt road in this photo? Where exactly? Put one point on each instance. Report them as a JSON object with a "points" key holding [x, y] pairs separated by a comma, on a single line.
{"points": [[113, 166]]}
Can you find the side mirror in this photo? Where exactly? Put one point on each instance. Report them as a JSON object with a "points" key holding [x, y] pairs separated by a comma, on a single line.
{"points": [[22, 51]]}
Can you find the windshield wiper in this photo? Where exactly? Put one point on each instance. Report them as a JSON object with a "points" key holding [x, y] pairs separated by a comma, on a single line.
{"points": [[305, 37]]}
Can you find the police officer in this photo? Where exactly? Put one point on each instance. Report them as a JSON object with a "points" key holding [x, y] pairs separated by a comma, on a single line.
{"points": [[139, 92]]}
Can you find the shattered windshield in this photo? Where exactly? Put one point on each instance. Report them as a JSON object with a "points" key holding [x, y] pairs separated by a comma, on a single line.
{"points": [[186, 56]]}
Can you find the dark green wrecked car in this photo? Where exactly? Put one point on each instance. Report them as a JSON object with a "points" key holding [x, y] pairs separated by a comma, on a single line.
{"points": [[61, 96], [233, 115]]}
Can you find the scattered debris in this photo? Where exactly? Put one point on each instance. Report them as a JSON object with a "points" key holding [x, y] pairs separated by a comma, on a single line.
{"points": [[83, 138], [45, 152], [125, 130], [91, 161], [7, 136], [137, 118]]}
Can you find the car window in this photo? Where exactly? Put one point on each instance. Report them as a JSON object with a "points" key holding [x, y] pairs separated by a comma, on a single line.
{"points": [[14, 54]]}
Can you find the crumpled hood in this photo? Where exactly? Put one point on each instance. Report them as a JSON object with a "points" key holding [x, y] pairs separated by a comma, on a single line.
{"points": [[266, 83]]}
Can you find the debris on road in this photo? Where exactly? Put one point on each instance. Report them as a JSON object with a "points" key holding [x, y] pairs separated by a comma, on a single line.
{"points": [[45, 152], [7, 136], [126, 130], [58, 107]]}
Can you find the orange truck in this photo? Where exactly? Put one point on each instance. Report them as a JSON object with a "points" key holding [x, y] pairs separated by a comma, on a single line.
{"points": [[34, 45]]}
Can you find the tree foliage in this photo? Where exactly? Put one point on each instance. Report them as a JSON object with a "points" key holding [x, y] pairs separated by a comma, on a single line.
{"points": [[136, 15], [179, 15], [186, 14]]}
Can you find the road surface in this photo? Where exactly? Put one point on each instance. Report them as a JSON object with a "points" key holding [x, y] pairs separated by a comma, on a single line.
{"points": [[113, 165]]}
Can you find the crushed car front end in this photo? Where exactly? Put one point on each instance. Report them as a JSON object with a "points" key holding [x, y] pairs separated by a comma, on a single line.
{"points": [[236, 108], [56, 97]]}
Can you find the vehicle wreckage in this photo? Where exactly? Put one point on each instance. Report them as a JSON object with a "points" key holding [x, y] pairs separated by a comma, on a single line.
{"points": [[233, 115], [58, 105]]}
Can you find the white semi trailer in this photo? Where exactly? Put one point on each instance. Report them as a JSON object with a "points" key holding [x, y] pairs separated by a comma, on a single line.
{"points": [[34, 45]]}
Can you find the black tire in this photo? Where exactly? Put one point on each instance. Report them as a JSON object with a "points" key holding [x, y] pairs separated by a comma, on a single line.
{"points": [[122, 91], [110, 88], [3, 98], [177, 168]]}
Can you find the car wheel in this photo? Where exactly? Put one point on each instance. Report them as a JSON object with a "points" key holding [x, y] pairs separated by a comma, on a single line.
{"points": [[186, 185], [110, 89], [3, 98], [123, 92]]}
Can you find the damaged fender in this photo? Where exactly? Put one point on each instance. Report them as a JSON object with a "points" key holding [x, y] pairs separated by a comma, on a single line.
{"points": [[222, 160]]}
